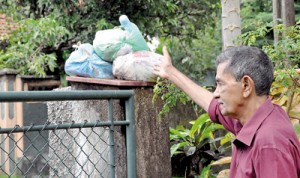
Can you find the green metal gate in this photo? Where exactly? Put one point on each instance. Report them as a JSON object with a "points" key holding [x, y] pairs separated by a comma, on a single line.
{"points": [[11, 139]]}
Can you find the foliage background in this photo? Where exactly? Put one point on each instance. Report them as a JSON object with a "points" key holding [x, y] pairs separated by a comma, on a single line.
{"points": [[185, 26]]}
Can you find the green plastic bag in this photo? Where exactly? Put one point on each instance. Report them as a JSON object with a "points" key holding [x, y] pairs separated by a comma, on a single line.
{"points": [[109, 44]]}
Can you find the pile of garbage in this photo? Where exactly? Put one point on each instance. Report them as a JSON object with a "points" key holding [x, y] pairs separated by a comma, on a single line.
{"points": [[120, 53]]}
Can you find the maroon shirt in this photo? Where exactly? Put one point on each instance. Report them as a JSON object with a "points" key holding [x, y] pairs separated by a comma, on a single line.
{"points": [[265, 147]]}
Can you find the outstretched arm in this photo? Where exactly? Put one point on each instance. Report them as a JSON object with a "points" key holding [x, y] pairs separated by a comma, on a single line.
{"points": [[165, 69]]}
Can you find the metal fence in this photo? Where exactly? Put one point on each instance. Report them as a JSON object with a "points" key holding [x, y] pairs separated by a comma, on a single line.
{"points": [[43, 157]]}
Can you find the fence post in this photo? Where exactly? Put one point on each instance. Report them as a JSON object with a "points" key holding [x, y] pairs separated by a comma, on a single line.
{"points": [[111, 139], [130, 137]]}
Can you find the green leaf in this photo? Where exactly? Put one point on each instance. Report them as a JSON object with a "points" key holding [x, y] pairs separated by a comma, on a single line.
{"points": [[227, 138], [198, 123], [179, 135], [189, 150], [297, 130], [176, 147], [205, 172], [208, 131]]}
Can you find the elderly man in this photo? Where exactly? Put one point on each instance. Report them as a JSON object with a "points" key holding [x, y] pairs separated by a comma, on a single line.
{"points": [[266, 145]]}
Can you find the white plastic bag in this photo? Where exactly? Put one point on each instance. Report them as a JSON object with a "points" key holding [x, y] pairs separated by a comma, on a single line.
{"points": [[136, 66]]}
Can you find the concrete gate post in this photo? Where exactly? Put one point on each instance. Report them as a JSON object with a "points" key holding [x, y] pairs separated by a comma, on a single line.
{"points": [[152, 134]]}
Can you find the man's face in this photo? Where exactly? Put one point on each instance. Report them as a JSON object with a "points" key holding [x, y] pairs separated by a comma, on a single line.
{"points": [[229, 92]]}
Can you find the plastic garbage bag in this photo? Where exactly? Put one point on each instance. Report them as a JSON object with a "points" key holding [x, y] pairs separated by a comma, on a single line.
{"points": [[133, 36], [136, 66], [84, 62], [111, 43]]}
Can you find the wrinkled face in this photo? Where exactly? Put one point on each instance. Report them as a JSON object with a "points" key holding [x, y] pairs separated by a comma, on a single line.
{"points": [[229, 92]]}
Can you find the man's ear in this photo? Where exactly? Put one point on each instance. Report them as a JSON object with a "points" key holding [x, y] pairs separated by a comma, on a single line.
{"points": [[248, 85]]}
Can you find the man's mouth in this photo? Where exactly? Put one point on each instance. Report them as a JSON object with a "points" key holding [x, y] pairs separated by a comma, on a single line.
{"points": [[221, 105]]}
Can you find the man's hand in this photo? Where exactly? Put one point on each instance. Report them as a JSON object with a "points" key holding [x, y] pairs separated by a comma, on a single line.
{"points": [[163, 67]]}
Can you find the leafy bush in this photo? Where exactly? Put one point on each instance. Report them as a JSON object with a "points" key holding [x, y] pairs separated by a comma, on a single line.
{"points": [[193, 149], [25, 48]]}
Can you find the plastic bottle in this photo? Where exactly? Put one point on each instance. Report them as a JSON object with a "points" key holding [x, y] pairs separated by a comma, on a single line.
{"points": [[135, 37]]}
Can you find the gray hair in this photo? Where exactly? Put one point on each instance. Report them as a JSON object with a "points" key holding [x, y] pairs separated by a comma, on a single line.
{"points": [[251, 61]]}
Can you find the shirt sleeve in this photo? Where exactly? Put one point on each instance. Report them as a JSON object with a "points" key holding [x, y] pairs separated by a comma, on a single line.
{"points": [[271, 162], [217, 117]]}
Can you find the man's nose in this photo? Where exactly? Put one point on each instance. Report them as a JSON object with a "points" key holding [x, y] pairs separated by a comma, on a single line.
{"points": [[216, 93]]}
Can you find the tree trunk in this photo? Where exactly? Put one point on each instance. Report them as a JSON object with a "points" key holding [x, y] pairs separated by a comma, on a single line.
{"points": [[283, 12], [231, 22], [288, 17], [276, 18], [288, 13]]}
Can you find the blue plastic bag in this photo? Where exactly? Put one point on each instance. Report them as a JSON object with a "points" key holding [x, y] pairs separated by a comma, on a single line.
{"points": [[84, 62]]}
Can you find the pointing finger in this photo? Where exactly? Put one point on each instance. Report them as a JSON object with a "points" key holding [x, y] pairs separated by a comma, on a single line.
{"points": [[166, 53]]}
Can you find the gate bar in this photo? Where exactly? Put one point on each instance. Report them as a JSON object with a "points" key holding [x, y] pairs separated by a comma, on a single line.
{"points": [[10, 96]]}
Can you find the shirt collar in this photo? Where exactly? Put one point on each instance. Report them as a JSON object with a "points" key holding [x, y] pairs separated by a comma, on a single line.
{"points": [[248, 131]]}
